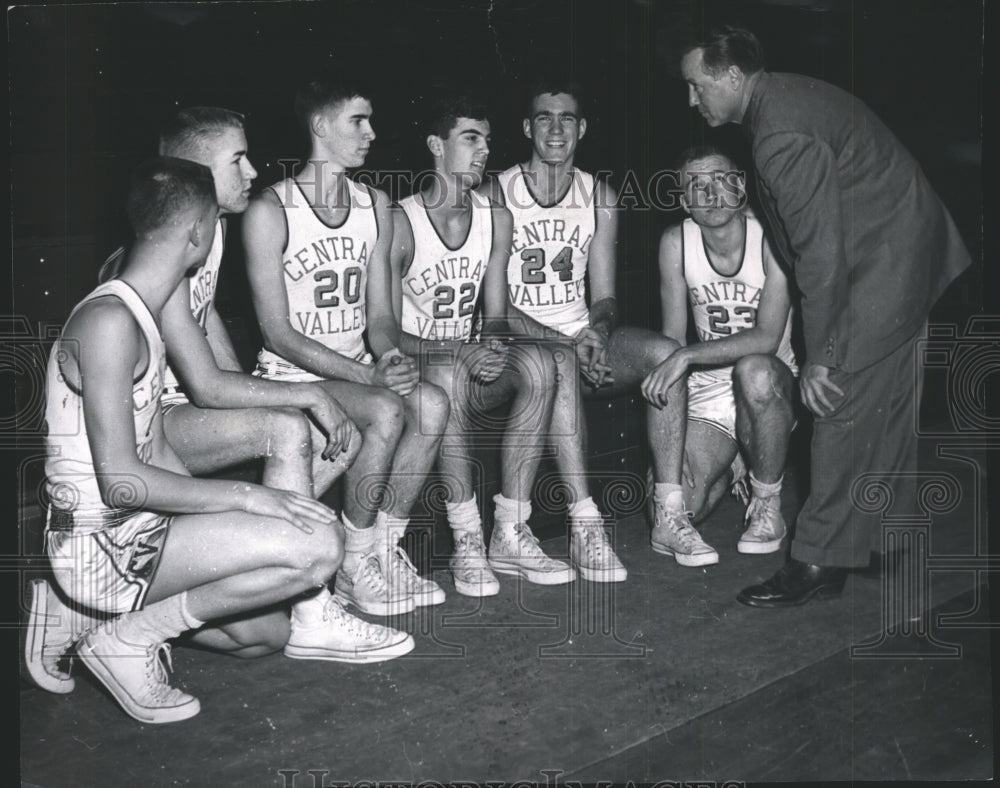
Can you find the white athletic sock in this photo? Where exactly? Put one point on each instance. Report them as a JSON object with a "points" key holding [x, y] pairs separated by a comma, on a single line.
{"points": [[389, 530], [669, 495], [158, 622], [357, 542], [509, 512], [764, 490], [583, 511], [464, 516]]}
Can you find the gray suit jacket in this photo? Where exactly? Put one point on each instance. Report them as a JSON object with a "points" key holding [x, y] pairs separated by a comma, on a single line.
{"points": [[869, 242]]}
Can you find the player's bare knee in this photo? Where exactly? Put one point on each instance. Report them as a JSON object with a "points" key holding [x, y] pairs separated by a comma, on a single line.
{"points": [[564, 357], [434, 407], [663, 348], [288, 432], [387, 414], [320, 555], [756, 379], [536, 367]]}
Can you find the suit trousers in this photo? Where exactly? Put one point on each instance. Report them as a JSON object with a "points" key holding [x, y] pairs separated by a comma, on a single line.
{"points": [[872, 431]]}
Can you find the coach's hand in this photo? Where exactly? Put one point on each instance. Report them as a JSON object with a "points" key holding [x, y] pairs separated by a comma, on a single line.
{"points": [[299, 510], [397, 372], [592, 350], [332, 420], [816, 389], [658, 382]]}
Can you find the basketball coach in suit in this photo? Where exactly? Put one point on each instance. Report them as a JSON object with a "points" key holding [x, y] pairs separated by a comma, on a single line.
{"points": [[871, 248]]}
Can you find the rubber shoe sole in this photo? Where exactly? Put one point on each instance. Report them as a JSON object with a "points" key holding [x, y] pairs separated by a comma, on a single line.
{"points": [[153, 716], [35, 641], [477, 590], [397, 607], [616, 575], [567, 575], [701, 559], [435, 596], [379, 654], [759, 548]]}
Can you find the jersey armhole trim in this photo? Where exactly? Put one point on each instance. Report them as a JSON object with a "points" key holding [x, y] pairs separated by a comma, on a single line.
{"points": [[284, 218], [371, 196], [683, 252], [408, 264]]}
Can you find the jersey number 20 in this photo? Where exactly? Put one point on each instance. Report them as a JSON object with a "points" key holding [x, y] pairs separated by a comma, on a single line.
{"points": [[326, 294]]}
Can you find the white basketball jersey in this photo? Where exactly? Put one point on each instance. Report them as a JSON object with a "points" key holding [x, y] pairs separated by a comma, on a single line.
{"points": [[724, 305], [326, 270], [202, 287], [71, 482], [442, 284], [547, 270]]}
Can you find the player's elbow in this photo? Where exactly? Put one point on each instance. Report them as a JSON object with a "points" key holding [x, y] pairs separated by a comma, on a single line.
{"points": [[123, 489], [205, 396], [770, 344], [277, 338]]}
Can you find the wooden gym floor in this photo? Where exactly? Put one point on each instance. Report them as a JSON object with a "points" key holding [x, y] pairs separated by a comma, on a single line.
{"points": [[664, 677]]}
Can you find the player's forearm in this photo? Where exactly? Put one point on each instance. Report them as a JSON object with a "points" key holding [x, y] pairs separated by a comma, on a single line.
{"points": [[316, 357], [604, 315], [240, 390], [148, 487], [222, 346], [383, 336], [731, 349]]}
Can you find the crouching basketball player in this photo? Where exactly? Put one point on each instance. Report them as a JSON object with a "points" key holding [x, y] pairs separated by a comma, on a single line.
{"points": [[129, 532]]}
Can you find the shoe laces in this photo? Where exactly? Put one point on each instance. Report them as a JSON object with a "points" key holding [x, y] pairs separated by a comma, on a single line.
{"points": [[527, 542], [595, 541], [404, 568], [159, 664], [370, 572], [469, 545], [741, 490], [763, 509], [678, 522], [335, 611]]}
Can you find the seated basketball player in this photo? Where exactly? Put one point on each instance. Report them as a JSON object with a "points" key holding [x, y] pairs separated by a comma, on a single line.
{"points": [[450, 243], [740, 374], [565, 232], [317, 249], [129, 531]]}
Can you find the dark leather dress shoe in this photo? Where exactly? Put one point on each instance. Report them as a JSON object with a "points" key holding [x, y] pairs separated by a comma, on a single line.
{"points": [[795, 584]]}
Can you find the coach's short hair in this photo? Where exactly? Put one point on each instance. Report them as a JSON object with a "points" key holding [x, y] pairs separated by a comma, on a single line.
{"points": [[445, 111], [184, 136], [727, 46], [554, 84], [164, 188], [324, 92]]}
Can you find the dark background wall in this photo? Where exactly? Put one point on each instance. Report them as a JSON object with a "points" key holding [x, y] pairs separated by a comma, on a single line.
{"points": [[90, 84]]}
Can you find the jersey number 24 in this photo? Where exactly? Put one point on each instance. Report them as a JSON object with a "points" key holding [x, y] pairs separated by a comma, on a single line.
{"points": [[532, 272]]}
